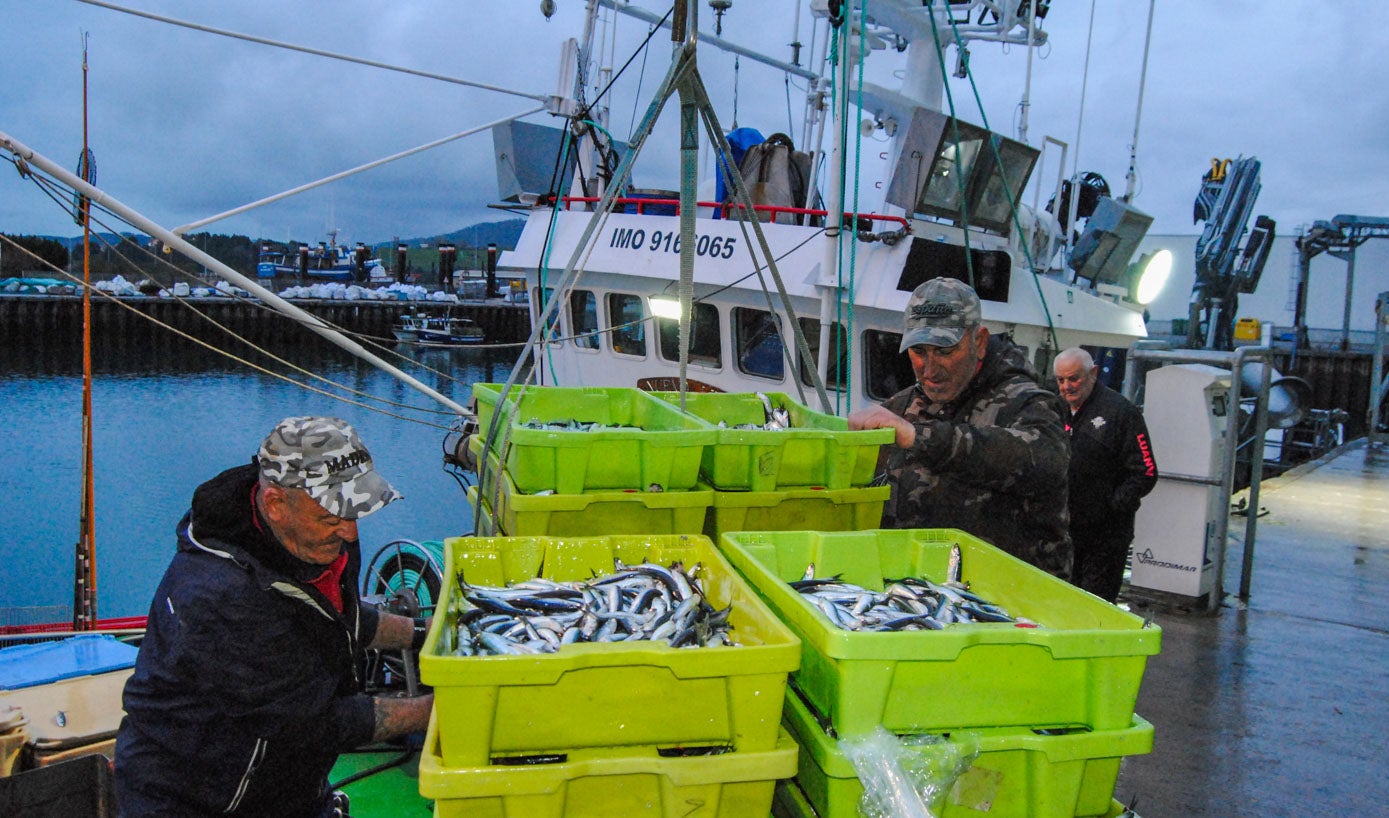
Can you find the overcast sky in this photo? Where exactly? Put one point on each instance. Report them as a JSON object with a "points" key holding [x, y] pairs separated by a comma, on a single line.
{"points": [[185, 124]]}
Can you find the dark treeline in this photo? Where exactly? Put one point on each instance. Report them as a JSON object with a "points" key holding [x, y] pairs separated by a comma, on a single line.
{"points": [[138, 258]]}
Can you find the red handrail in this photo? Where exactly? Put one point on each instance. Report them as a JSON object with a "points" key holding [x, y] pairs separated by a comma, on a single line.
{"points": [[114, 624], [725, 207]]}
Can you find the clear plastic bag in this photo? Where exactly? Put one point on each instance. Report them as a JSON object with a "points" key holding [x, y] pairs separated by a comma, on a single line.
{"points": [[907, 776]]}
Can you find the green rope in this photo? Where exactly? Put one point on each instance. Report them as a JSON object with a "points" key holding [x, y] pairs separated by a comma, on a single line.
{"points": [[1007, 190], [550, 245], [839, 94], [955, 138], [853, 245]]}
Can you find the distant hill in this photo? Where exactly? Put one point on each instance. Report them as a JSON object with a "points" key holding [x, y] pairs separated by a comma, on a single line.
{"points": [[504, 234]]}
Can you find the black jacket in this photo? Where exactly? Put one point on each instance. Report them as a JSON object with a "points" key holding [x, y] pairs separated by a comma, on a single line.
{"points": [[992, 462], [1112, 465], [245, 688]]}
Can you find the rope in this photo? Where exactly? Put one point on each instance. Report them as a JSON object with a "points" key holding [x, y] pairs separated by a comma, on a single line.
{"points": [[1012, 203]]}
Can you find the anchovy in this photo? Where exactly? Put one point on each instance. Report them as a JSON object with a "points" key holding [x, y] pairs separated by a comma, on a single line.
{"points": [[640, 602], [907, 603]]}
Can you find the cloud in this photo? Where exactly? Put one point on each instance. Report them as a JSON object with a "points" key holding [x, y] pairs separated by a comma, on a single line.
{"points": [[186, 124]]}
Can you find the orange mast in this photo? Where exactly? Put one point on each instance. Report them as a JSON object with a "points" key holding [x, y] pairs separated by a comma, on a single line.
{"points": [[84, 590]]}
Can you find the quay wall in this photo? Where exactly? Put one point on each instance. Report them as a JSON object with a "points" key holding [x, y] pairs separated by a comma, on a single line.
{"points": [[130, 316]]}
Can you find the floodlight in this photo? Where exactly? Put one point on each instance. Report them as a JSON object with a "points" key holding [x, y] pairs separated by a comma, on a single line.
{"points": [[1147, 276], [663, 306]]}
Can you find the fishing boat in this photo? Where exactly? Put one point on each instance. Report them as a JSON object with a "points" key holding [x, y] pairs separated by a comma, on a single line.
{"points": [[783, 285], [328, 261], [848, 268], [434, 330]]}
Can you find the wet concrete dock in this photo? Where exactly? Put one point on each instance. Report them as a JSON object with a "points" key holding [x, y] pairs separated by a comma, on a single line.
{"points": [[1280, 706]]}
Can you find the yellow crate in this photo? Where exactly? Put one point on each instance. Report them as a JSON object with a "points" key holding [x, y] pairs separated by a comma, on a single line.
{"points": [[619, 694], [597, 784]]}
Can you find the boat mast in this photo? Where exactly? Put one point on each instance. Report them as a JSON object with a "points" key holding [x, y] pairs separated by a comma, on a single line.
{"points": [[84, 583]]}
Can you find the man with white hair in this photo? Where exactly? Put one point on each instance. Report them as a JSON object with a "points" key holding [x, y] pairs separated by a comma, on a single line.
{"points": [[1112, 469]]}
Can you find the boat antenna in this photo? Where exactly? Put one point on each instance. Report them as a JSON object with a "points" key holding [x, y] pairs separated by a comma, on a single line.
{"points": [[1138, 115], [1080, 119], [84, 582]]}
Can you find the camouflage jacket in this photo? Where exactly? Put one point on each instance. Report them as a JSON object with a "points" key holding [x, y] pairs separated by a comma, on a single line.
{"points": [[992, 462]]}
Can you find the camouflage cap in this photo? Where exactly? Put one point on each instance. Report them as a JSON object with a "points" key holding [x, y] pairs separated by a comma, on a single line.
{"points": [[939, 313], [324, 457]]}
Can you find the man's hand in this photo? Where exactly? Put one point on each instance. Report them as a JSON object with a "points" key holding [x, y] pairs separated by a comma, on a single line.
{"points": [[399, 717], [876, 417], [393, 632]]}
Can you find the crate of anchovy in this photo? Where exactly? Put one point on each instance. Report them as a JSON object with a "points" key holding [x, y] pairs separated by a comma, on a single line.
{"points": [[768, 441], [547, 644], [569, 439], [588, 513], [931, 630], [595, 783], [796, 509], [1006, 772]]}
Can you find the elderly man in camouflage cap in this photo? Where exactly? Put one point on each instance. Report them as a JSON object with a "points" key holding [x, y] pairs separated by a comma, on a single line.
{"points": [[246, 686], [980, 444]]}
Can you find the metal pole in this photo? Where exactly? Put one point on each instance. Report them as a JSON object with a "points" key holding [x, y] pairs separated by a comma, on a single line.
{"points": [[1256, 472], [1132, 176], [1227, 480], [1350, 290], [1377, 380], [309, 320]]}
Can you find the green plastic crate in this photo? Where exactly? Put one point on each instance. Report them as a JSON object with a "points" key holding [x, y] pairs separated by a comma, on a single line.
{"points": [[596, 513], [805, 509], [1017, 773], [1081, 668], [665, 450], [818, 449], [595, 784], [789, 802], [621, 694]]}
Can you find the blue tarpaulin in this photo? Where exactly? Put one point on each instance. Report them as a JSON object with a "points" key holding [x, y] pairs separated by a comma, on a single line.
{"points": [[29, 665], [739, 139]]}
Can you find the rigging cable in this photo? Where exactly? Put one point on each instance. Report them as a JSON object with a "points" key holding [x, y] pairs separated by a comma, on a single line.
{"points": [[54, 268], [955, 137], [1012, 202], [47, 186]]}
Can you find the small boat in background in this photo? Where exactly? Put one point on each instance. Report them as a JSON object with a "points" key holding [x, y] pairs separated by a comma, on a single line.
{"points": [[446, 330], [329, 261]]}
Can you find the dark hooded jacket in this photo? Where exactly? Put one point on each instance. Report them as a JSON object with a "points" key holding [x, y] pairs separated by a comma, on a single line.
{"points": [[246, 685], [992, 462]]}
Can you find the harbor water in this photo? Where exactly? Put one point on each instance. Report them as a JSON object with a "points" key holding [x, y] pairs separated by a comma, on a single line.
{"points": [[167, 415]]}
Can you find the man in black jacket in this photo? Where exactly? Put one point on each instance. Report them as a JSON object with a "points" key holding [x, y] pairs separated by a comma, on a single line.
{"points": [[246, 686], [980, 446], [1112, 469]]}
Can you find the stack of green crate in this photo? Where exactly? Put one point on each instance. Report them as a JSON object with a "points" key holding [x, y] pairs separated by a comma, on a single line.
{"points": [[1051, 703], [636, 474], [606, 728], [813, 475]]}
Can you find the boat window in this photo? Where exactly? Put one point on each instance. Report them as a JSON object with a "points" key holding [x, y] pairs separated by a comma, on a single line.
{"points": [[990, 271], [758, 343], [886, 370], [994, 208], [839, 353], [583, 318], [706, 349], [627, 321], [950, 172], [541, 301]]}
